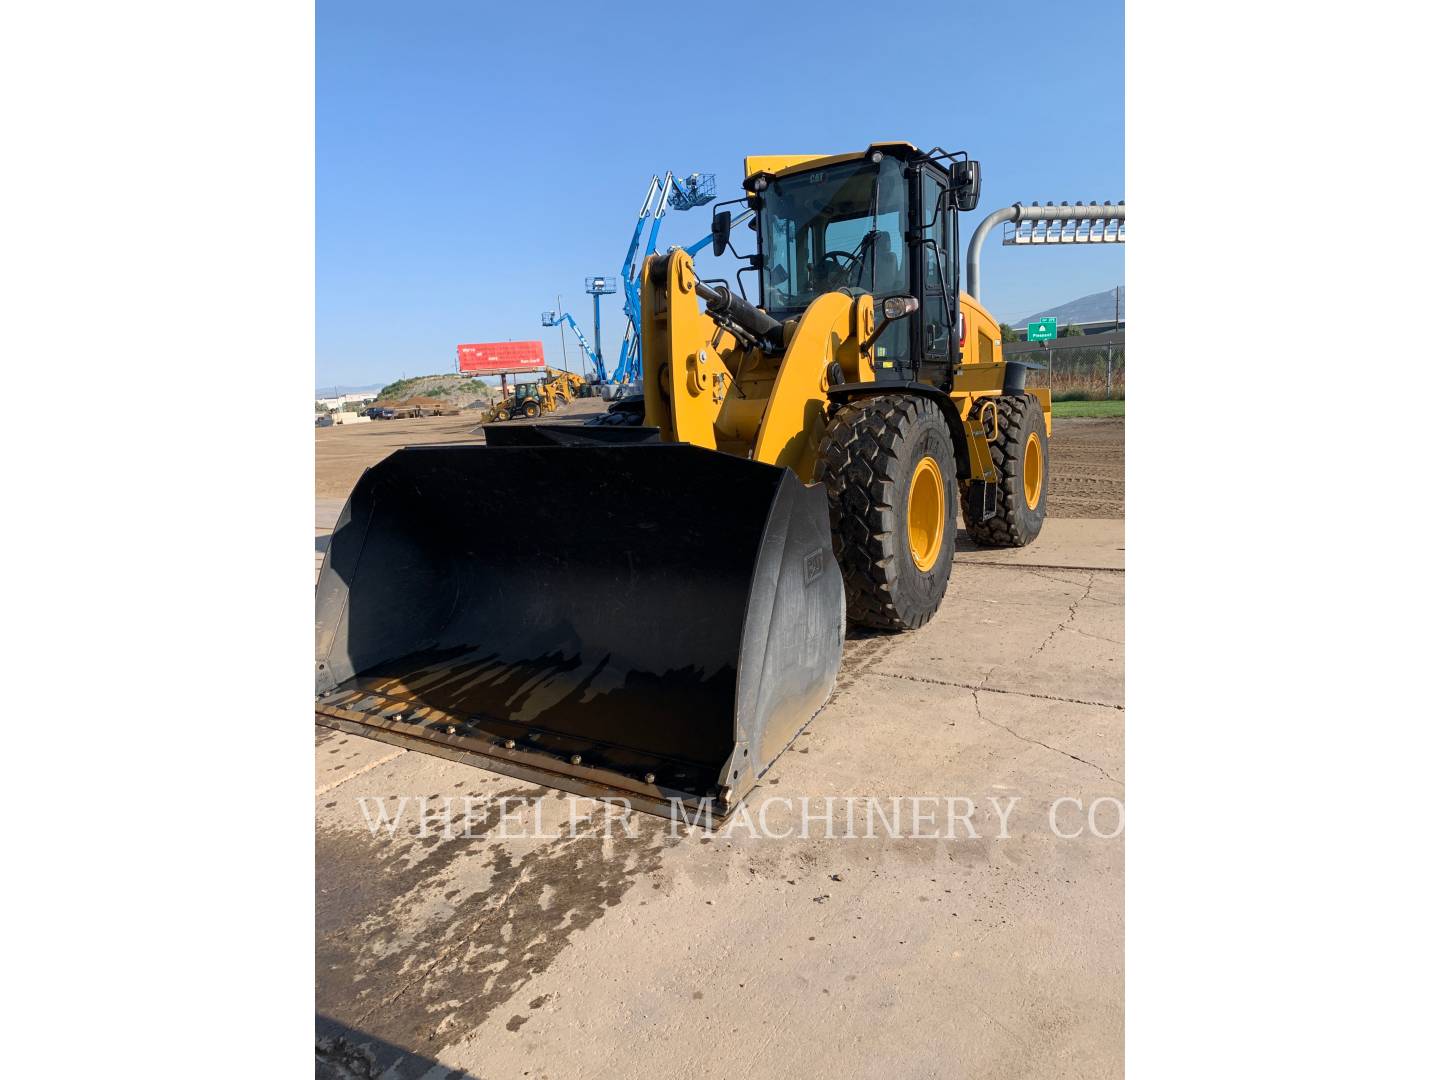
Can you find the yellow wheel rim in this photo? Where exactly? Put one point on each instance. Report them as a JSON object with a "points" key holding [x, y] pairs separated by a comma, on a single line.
{"points": [[1034, 470], [925, 514]]}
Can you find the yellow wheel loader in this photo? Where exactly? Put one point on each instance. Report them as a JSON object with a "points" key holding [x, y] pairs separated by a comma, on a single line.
{"points": [[667, 618]]}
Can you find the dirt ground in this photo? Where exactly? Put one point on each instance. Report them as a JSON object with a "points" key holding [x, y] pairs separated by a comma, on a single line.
{"points": [[342, 453], [1087, 478], [1087, 469]]}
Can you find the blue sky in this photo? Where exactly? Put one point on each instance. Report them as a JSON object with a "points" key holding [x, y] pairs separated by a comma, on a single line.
{"points": [[475, 159]]}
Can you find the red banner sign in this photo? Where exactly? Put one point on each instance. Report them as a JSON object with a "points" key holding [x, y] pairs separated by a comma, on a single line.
{"points": [[502, 357]]}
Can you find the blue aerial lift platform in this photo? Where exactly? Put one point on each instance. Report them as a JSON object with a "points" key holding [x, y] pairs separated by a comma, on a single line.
{"points": [[685, 193], [682, 193], [563, 319]]}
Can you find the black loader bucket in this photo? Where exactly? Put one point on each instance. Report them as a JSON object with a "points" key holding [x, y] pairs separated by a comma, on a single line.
{"points": [[650, 621]]}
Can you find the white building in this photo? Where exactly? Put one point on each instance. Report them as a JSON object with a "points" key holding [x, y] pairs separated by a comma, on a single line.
{"points": [[334, 403]]}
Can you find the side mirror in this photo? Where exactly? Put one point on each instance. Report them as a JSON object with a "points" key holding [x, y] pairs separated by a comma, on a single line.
{"points": [[897, 307], [965, 184], [720, 231]]}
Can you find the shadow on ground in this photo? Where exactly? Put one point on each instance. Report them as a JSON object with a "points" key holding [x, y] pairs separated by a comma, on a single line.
{"points": [[346, 1053]]}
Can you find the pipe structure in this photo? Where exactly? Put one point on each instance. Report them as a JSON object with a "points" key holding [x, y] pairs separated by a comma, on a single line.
{"points": [[1018, 213]]}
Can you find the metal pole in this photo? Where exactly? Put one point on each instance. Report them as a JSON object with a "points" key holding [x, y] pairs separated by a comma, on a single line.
{"points": [[599, 349], [1109, 359], [977, 241], [564, 358]]}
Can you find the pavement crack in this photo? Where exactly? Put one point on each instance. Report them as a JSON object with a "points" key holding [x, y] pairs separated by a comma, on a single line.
{"points": [[1034, 567], [1069, 618], [1060, 580], [975, 696], [999, 690], [985, 679]]}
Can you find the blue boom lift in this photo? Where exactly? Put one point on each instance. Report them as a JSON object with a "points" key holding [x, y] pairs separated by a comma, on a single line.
{"points": [[563, 319], [684, 193], [697, 189]]}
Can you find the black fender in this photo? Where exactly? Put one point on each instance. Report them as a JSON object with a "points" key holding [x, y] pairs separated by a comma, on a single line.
{"points": [[1015, 375]]}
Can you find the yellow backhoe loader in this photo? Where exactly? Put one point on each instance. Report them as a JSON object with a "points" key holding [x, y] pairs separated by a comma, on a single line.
{"points": [[663, 621], [566, 386], [528, 399], [533, 399]]}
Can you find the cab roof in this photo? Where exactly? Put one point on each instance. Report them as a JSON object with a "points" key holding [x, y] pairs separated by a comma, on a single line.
{"points": [[781, 164]]}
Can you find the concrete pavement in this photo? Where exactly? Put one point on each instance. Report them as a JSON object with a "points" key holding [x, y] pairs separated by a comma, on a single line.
{"points": [[527, 944]]}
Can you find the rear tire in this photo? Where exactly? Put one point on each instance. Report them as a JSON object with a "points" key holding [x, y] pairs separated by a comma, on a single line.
{"points": [[888, 465], [1019, 447], [530, 409]]}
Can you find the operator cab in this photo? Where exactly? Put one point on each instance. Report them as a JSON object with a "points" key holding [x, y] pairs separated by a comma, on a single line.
{"points": [[882, 222]]}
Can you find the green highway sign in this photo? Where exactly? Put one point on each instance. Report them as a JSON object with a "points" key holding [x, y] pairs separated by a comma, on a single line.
{"points": [[1044, 330]]}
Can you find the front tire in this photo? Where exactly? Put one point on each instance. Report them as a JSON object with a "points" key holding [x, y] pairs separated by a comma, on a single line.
{"points": [[1021, 453], [888, 465]]}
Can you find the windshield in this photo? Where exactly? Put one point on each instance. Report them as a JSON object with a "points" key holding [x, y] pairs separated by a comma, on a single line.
{"points": [[834, 228]]}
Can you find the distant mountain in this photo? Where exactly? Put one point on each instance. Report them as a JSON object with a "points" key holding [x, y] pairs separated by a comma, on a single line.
{"points": [[1097, 307], [333, 391]]}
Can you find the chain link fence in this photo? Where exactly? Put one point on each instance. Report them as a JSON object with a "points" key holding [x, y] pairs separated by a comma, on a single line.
{"points": [[1073, 369]]}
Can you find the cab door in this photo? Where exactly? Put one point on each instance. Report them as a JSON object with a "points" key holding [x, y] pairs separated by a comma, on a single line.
{"points": [[935, 221]]}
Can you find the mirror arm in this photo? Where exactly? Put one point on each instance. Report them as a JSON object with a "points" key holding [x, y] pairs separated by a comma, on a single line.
{"points": [[880, 328], [909, 305]]}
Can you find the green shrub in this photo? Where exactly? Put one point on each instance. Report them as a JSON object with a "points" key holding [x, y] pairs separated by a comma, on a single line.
{"points": [[1085, 395]]}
